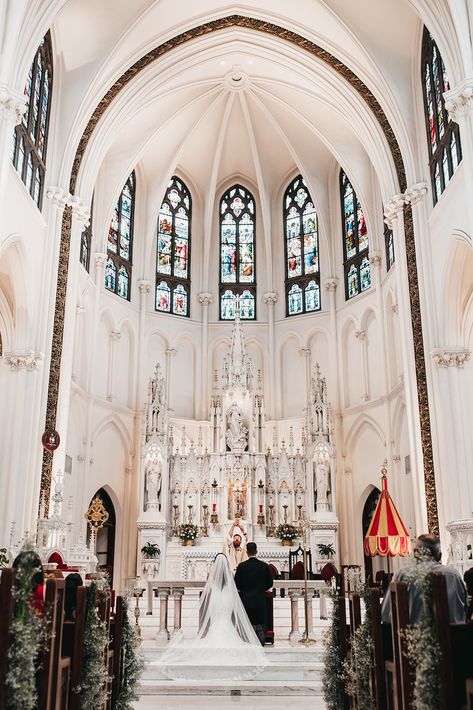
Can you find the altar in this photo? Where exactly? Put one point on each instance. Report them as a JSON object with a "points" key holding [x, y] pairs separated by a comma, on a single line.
{"points": [[204, 474]]}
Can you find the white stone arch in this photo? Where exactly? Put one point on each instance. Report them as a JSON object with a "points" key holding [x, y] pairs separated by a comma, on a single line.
{"points": [[183, 394], [292, 369], [362, 421], [458, 288], [115, 422], [350, 396]]}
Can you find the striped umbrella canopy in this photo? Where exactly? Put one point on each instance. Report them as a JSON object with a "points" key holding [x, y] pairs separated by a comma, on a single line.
{"points": [[387, 535]]}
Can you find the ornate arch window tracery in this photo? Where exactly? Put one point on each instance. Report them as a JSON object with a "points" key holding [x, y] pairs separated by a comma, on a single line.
{"points": [[356, 263], [120, 242], [173, 250], [237, 253], [30, 137], [443, 134], [301, 250]]}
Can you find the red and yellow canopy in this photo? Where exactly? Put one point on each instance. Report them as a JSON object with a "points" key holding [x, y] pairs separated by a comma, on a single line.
{"points": [[387, 534]]}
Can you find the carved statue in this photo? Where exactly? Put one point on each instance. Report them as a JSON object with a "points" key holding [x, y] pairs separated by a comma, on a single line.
{"points": [[237, 433], [153, 483], [321, 485]]}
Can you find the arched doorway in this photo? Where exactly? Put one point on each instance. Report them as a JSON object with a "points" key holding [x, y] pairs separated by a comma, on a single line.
{"points": [[105, 543], [368, 512]]}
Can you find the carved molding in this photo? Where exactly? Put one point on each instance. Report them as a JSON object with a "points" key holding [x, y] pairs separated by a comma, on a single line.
{"points": [[415, 193], [115, 335], [144, 286], [62, 199], [460, 525], [459, 100], [12, 104], [451, 358], [270, 298], [375, 258], [331, 284], [100, 260], [205, 298], [360, 334], [393, 208], [23, 360]]}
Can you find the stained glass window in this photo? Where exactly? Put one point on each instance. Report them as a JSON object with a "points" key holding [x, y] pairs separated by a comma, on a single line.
{"points": [[86, 241], [173, 250], [30, 137], [301, 250], [443, 134], [389, 244], [237, 253], [355, 241], [120, 241]]}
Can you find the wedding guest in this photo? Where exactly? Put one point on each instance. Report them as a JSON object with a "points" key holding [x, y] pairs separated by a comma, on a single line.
{"points": [[427, 548], [253, 577], [73, 581], [29, 562]]}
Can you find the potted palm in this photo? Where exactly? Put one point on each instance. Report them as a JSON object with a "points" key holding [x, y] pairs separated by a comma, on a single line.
{"points": [[326, 550], [286, 533], [150, 551], [187, 533]]}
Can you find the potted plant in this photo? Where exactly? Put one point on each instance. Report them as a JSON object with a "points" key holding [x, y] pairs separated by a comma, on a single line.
{"points": [[187, 533], [286, 533], [326, 551], [150, 550]]}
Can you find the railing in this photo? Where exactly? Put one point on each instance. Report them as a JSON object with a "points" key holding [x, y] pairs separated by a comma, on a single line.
{"points": [[177, 588]]}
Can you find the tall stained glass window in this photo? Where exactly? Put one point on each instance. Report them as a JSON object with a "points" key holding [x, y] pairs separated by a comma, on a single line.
{"points": [[443, 134], [120, 242], [30, 137], [355, 241], [301, 250], [237, 254], [173, 250]]}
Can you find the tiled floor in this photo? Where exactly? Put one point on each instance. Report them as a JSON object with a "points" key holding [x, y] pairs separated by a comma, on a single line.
{"points": [[163, 702]]}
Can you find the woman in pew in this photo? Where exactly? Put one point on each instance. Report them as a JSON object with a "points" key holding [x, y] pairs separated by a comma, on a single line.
{"points": [[72, 581], [28, 560]]}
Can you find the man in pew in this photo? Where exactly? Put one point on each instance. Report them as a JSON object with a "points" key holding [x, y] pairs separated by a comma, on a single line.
{"points": [[427, 547]]}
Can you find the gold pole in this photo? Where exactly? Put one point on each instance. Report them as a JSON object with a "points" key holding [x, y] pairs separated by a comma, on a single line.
{"points": [[306, 640]]}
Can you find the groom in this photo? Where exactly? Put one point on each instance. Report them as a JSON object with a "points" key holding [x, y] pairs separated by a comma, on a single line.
{"points": [[252, 579]]}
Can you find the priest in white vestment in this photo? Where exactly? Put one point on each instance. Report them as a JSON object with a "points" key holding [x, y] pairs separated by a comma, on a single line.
{"points": [[235, 545]]}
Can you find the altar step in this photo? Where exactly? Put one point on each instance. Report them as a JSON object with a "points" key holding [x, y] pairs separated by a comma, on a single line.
{"points": [[292, 671]]}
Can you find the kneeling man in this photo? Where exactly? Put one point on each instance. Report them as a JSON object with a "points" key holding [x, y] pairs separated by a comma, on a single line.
{"points": [[252, 579]]}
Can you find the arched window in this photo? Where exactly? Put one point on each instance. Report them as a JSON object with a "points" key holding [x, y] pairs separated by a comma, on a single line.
{"points": [[31, 135], [120, 242], [443, 135], [302, 250], [237, 254], [86, 241], [173, 250], [355, 241]]}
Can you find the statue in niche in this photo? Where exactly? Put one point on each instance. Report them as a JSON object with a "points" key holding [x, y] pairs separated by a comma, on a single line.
{"points": [[322, 472], [153, 483], [157, 399], [237, 433]]}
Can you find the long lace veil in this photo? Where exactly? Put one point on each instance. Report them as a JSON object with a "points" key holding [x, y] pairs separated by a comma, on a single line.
{"points": [[225, 641]]}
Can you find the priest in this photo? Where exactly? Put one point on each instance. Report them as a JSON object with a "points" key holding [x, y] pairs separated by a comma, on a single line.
{"points": [[235, 545]]}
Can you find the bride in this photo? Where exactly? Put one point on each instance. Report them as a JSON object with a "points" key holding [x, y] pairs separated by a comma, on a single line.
{"points": [[225, 641]]}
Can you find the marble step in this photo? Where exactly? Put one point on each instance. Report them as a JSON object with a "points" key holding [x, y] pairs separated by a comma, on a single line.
{"points": [[231, 688], [275, 671]]}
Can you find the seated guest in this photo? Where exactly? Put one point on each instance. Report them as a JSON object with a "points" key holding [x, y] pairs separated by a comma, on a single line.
{"points": [[73, 581], [28, 562], [427, 548]]}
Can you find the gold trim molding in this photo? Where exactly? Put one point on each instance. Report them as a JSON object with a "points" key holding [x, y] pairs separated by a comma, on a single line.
{"points": [[342, 70]]}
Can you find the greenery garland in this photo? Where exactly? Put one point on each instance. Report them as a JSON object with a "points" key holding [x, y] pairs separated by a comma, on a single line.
{"points": [[95, 678], [358, 668], [332, 674], [27, 635], [422, 646], [133, 663]]}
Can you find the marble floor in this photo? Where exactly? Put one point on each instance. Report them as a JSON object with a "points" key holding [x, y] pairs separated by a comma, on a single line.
{"points": [[174, 702]]}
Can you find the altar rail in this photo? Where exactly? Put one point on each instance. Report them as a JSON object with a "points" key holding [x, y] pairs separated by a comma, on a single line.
{"points": [[177, 588]]}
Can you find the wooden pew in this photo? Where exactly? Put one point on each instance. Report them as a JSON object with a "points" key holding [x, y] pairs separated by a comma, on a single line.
{"points": [[50, 656], [72, 643], [379, 676], [398, 671], [6, 612], [116, 641]]}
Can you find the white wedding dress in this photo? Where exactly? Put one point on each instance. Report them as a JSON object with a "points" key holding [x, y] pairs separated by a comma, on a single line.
{"points": [[226, 643]]}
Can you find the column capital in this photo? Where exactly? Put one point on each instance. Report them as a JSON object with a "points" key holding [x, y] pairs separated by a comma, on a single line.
{"points": [[100, 260], [331, 283], [23, 359], [144, 286], [360, 334], [375, 258], [415, 193], [393, 207], [270, 298], [205, 298], [171, 352], [395, 308], [62, 198], [12, 104], [305, 352], [115, 335], [459, 100], [451, 357]]}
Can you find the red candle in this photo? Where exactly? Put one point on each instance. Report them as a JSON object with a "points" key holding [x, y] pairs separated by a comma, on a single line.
{"points": [[260, 508], [214, 507]]}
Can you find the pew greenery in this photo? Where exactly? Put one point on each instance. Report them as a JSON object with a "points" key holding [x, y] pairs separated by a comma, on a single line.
{"points": [[27, 636], [132, 662], [95, 679], [332, 674], [422, 647], [358, 668]]}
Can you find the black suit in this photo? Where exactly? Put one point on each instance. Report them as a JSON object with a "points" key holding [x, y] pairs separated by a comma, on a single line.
{"points": [[252, 579]]}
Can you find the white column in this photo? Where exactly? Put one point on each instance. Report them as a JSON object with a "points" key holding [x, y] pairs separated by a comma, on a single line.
{"points": [[144, 288], [205, 299], [115, 336], [459, 104], [170, 352], [360, 335], [271, 299], [331, 287]]}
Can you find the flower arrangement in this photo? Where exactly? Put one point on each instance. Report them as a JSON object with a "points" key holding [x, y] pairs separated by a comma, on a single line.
{"points": [[187, 531], [133, 663], [151, 550], [358, 668], [332, 674], [95, 680], [286, 531], [326, 550]]}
